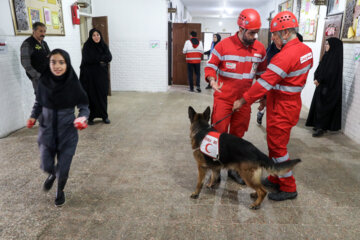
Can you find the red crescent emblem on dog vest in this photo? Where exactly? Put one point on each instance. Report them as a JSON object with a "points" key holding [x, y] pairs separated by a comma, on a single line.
{"points": [[210, 145]]}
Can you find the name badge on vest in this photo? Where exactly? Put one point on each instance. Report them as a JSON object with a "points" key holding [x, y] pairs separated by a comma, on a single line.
{"points": [[210, 145], [230, 65]]}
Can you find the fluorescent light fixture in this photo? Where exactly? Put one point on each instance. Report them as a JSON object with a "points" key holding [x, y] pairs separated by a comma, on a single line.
{"points": [[229, 11]]}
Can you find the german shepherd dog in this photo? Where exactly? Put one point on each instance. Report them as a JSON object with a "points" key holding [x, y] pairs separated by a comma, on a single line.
{"points": [[234, 153]]}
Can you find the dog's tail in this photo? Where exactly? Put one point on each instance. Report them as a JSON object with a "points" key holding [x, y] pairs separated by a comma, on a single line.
{"points": [[283, 167]]}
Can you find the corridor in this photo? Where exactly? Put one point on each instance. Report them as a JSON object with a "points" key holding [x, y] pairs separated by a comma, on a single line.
{"points": [[132, 179]]}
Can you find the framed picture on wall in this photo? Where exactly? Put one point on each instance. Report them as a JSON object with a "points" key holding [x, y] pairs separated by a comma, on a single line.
{"points": [[286, 6], [308, 20], [27, 12], [332, 28], [351, 24], [335, 7]]}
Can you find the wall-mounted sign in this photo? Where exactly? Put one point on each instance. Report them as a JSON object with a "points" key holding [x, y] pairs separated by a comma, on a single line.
{"points": [[3, 46], [171, 10], [320, 2], [154, 44]]}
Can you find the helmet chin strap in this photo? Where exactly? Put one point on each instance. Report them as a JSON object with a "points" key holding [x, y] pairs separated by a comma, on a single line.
{"points": [[284, 41]]}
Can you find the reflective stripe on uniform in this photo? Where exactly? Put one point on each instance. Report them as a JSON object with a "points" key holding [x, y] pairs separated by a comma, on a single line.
{"points": [[291, 89], [191, 51], [277, 70], [193, 58], [299, 72], [236, 58], [212, 66], [283, 159], [236, 75], [216, 53], [265, 84]]}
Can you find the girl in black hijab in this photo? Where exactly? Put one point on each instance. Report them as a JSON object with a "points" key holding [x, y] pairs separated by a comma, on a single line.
{"points": [[325, 110], [59, 91], [94, 75], [216, 40]]}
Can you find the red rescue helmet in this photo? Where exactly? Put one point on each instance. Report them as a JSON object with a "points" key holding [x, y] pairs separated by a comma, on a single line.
{"points": [[249, 19], [283, 20]]}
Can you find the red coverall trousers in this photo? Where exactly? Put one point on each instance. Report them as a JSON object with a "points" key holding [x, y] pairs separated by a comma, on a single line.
{"points": [[283, 113], [237, 124]]}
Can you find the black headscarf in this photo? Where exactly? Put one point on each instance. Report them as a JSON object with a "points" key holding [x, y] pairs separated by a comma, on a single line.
{"points": [[59, 92], [329, 71], [218, 37], [94, 53], [100, 46]]}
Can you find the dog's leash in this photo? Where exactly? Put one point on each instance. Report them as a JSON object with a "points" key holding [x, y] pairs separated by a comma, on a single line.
{"points": [[212, 125]]}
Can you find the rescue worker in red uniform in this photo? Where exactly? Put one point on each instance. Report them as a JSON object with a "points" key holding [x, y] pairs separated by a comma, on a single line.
{"points": [[237, 60], [194, 50], [283, 81]]}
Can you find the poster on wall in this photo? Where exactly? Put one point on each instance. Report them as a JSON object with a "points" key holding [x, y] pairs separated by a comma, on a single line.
{"points": [[286, 6], [351, 24], [21, 15], [34, 15], [27, 12], [308, 20], [335, 7], [332, 28]]}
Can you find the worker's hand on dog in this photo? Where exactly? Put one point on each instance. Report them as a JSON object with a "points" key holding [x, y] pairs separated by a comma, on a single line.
{"points": [[214, 84], [30, 122], [80, 123], [238, 104]]}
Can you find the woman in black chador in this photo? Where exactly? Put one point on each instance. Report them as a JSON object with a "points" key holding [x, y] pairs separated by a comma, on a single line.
{"points": [[325, 110], [94, 75]]}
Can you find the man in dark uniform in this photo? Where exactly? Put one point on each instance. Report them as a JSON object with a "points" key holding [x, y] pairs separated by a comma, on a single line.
{"points": [[34, 54]]}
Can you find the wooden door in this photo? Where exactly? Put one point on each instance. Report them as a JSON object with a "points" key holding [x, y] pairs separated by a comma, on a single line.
{"points": [[101, 23], [181, 33]]}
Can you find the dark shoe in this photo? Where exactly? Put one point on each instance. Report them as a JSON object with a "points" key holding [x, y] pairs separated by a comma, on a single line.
{"points": [[107, 121], [191, 90], [314, 129], [281, 196], [198, 89], [90, 122], [236, 177], [60, 198], [49, 182], [272, 187], [259, 117], [208, 87], [318, 133]]}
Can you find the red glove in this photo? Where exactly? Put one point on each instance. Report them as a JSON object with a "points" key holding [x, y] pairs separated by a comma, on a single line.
{"points": [[80, 123], [30, 122]]}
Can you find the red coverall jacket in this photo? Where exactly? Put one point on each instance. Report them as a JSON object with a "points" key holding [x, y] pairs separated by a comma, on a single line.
{"points": [[237, 65], [285, 77]]}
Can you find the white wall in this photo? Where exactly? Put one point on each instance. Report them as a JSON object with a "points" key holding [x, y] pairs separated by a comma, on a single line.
{"points": [[212, 24], [16, 91], [182, 14], [132, 26]]}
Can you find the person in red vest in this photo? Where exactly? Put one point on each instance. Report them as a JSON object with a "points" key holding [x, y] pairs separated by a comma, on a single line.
{"points": [[237, 60], [194, 50], [283, 81]]}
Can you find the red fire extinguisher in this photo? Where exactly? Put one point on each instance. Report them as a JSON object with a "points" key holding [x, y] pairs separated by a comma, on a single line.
{"points": [[75, 14]]}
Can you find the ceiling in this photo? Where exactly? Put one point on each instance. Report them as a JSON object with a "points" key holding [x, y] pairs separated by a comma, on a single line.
{"points": [[220, 8]]}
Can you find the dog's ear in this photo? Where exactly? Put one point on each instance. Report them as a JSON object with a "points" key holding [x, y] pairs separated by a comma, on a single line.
{"points": [[191, 113], [207, 114]]}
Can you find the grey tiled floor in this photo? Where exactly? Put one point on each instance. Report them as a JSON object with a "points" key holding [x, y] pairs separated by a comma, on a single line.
{"points": [[132, 180]]}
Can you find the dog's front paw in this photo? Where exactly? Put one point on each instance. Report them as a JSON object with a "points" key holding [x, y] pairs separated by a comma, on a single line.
{"points": [[254, 207], [194, 196]]}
